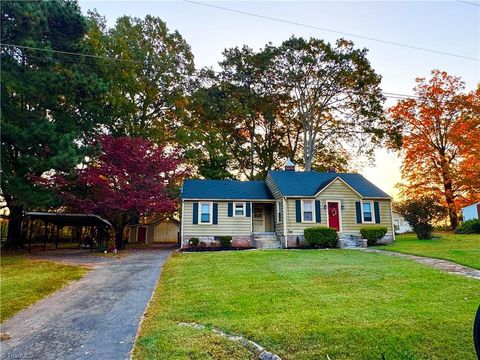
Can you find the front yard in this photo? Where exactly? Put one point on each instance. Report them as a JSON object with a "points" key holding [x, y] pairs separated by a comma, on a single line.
{"points": [[461, 249], [305, 304], [24, 281]]}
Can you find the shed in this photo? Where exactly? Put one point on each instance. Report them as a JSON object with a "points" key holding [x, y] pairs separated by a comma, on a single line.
{"points": [[163, 231]]}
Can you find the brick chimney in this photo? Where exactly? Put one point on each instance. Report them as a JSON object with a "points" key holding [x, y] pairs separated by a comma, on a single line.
{"points": [[331, 169], [289, 165]]}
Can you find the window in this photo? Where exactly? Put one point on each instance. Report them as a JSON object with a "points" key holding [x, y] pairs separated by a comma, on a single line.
{"points": [[205, 213], [239, 209], [367, 211], [307, 210], [279, 212], [396, 225]]}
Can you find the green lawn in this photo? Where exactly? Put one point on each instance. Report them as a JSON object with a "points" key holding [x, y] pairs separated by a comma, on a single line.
{"points": [[24, 281], [462, 249], [305, 304]]}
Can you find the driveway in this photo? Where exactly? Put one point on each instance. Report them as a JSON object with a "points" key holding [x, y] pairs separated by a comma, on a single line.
{"points": [[96, 317]]}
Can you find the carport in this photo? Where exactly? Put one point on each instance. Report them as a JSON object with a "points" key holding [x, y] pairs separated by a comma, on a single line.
{"points": [[61, 220]]}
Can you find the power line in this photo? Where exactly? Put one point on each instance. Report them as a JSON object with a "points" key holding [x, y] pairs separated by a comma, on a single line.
{"points": [[71, 53], [391, 95], [332, 31], [469, 2]]}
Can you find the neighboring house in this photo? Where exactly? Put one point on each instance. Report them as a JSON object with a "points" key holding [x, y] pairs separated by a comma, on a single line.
{"points": [[400, 224], [160, 231], [471, 212], [274, 213]]}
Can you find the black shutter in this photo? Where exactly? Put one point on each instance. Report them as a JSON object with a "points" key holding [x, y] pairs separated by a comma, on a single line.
{"points": [[298, 211], [230, 209], [358, 207], [215, 213], [377, 212], [318, 215], [247, 209], [195, 213]]}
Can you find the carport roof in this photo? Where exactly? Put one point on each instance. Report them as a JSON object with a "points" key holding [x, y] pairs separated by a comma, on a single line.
{"points": [[65, 219]]}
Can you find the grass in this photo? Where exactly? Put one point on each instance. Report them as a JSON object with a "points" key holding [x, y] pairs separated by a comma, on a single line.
{"points": [[461, 249], [24, 281], [305, 304]]}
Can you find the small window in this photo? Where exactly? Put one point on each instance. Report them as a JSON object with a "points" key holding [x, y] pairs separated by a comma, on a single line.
{"points": [[307, 210], [279, 212], [367, 209], [239, 209], [205, 213]]}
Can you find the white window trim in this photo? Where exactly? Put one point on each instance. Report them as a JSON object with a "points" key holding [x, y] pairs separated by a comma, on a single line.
{"points": [[339, 204], [373, 212], [244, 209], [313, 211], [200, 213], [279, 213]]}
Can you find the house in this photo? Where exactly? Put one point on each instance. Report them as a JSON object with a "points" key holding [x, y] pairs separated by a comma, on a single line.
{"points": [[471, 212], [274, 213], [400, 225], [164, 231]]}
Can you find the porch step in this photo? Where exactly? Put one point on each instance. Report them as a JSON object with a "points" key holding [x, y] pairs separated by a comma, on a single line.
{"points": [[266, 242]]}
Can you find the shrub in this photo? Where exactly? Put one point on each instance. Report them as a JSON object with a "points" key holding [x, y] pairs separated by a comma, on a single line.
{"points": [[421, 213], [225, 241], [373, 233], [469, 227], [321, 236], [193, 241]]}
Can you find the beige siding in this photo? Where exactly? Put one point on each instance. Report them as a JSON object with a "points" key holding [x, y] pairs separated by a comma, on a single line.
{"points": [[338, 191], [226, 225]]}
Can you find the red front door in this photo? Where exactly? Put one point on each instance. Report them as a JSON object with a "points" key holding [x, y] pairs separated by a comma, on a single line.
{"points": [[333, 216], [142, 234]]}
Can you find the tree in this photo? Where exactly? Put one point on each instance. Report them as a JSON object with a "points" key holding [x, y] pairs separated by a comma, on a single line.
{"points": [[50, 101], [335, 95], [440, 129], [131, 177], [148, 86], [421, 213]]}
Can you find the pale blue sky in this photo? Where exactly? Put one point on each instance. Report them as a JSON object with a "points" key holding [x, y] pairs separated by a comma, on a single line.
{"points": [[449, 26]]}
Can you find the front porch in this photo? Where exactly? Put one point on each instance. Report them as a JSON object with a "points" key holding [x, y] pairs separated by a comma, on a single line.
{"points": [[263, 226]]}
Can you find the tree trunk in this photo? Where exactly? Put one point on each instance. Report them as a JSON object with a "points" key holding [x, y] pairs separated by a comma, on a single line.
{"points": [[14, 235], [449, 196], [119, 238]]}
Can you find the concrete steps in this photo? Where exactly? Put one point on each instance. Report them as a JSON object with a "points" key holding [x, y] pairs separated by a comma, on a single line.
{"points": [[266, 242]]}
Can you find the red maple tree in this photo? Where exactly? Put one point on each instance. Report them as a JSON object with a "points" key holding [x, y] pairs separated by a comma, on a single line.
{"points": [[440, 130], [132, 177]]}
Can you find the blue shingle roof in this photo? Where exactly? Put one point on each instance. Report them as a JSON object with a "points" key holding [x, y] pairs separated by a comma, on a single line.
{"points": [[225, 189], [296, 183]]}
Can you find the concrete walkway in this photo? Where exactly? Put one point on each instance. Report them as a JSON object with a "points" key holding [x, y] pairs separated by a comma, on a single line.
{"points": [[96, 317], [443, 265]]}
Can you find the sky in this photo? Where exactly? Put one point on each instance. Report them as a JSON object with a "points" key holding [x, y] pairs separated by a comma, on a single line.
{"points": [[445, 26]]}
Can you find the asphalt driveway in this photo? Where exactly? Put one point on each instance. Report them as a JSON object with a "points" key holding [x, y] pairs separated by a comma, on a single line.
{"points": [[96, 317]]}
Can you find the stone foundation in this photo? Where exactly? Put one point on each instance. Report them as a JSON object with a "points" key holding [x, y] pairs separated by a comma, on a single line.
{"points": [[240, 241], [294, 241]]}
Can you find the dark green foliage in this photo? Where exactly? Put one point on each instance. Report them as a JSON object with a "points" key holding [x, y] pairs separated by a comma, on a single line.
{"points": [[421, 213], [225, 241], [51, 103], [321, 236], [193, 241], [469, 227], [373, 233]]}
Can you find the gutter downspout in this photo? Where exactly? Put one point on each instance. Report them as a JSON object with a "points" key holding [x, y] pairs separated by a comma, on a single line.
{"points": [[391, 219], [284, 213], [181, 225]]}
